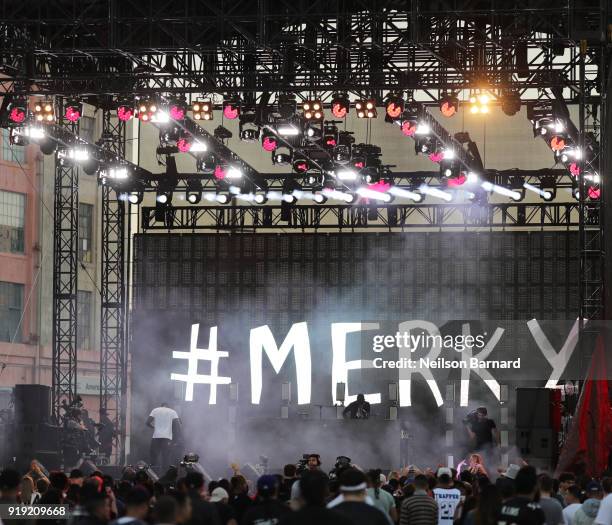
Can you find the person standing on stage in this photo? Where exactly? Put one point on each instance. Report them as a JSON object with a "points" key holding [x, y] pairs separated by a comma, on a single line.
{"points": [[359, 409], [161, 420], [106, 433], [482, 430]]}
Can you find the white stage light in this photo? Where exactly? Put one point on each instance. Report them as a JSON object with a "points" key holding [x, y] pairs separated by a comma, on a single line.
{"points": [[400, 192], [435, 192], [376, 195]]}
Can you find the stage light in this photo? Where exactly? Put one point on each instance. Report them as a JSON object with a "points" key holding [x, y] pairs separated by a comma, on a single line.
{"points": [[557, 143], [435, 192], [219, 172], [450, 168], [233, 172], [18, 111], [115, 172], [394, 106], [346, 175], [312, 110], [76, 154], [400, 192], [372, 194], [269, 142], [44, 111], [135, 197], [73, 111], [594, 192], [340, 105], [330, 135], [164, 197], [301, 166], [125, 111], [231, 109], [260, 198], [282, 158], [426, 145], [366, 108], [543, 191], [193, 192], [286, 105], [511, 103], [479, 103], [202, 110], [455, 182], [500, 190], [312, 132], [370, 175], [472, 178], [287, 130], [408, 128], [338, 195], [449, 104], [422, 129], [177, 109], [223, 198], [319, 198], [147, 108], [249, 133]]}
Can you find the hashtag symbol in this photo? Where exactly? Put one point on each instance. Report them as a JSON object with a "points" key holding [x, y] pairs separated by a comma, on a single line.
{"points": [[195, 355]]}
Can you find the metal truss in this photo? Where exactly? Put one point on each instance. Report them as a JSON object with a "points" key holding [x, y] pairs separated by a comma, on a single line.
{"points": [[388, 216], [113, 286], [65, 267], [134, 46]]}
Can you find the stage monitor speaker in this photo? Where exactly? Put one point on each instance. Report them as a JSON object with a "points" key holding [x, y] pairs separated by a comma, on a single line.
{"points": [[32, 404], [537, 408], [537, 443]]}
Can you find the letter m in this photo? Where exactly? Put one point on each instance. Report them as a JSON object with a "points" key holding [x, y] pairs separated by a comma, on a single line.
{"points": [[262, 341]]}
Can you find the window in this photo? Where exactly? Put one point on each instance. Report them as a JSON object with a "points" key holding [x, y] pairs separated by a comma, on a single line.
{"points": [[83, 320], [12, 221], [11, 153], [11, 307], [86, 128], [85, 232]]}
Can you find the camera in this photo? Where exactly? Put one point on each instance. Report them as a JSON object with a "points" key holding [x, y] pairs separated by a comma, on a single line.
{"points": [[190, 458]]}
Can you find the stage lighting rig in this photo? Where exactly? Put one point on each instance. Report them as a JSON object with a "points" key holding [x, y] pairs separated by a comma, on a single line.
{"points": [[188, 143], [231, 108], [449, 105], [44, 111], [312, 132], [114, 172], [366, 108], [147, 108], [125, 110], [394, 107], [193, 194], [282, 156], [312, 109], [206, 163], [286, 106], [73, 110], [330, 135], [340, 105], [222, 133], [479, 102], [511, 102], [301, 165], [202, 109], [249, 133], [177, 109], [18, 111], [268, 141]]}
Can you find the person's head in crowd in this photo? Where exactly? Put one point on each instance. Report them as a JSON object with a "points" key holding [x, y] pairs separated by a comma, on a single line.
{"points": [[466, 476], [353, 485], [129, 474], [545, 484], [394, 484], [73, 495], [76, 477], [97, 505], [42, 484], [314, 462], [593, 490], [267, 487], [219, 495], [421, 483], [360, 398], [505, 486], [52, 497], [26, 489], [606, 484], [194, 481], [289, 471], [9, 484], [97, 473], [137, 503], [573, 494], [58, 480], [566, 479], [212, 485], [488, 506], [239, 485], [313, 488], [183, 506], [225, 484], [123, 488], [165, 510], [374, 478], [141, 477], [444, 477], [526, 482]]}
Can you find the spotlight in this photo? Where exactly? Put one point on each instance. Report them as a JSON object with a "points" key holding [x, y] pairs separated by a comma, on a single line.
{"points": [[18, 111], [147, 108], [117, 172], [135, 197], [281, 158], [206, 163], [312, 132], [449, 104], [330, 136], [183, 144], [301, 166], [319, 198], [511, 103], [193, 194], [260, 198], [449, 169], [125, 111], [479, 103], [370, 175], [287, 130], [73, 111], [425, 145], [409, 127], [249, 133], [346, 175], [394, 106], [164, 197], [312, 110], [44, 111], [366, 108], [223, 198], [220, 172], [268, 141], [286, 105], [233, 172], [76, 154], [594, 192], [557, 143], [340, 105], [177, 109], [202, 110], [231, 109], [314, 179]]}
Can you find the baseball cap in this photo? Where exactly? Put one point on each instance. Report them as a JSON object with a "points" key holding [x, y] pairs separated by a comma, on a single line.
{"points": [[593, 486], [218, 494], [444, 470], [266, 484]]}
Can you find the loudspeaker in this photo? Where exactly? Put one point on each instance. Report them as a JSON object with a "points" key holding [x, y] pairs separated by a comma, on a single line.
{"points": [[537, 443], [32, 404], [537, 408]]}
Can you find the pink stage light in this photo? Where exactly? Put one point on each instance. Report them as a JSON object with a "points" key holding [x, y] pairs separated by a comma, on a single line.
{"points": [[17, 115], [183, 144], [230, 111], [177, 112], [125, 113], [72, 113], [594, 192], [219, 173], [456, 181], [437, 156], [269, 143]]}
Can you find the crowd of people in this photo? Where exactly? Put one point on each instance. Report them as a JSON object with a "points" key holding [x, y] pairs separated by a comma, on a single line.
{"points": [[308, 495]]}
